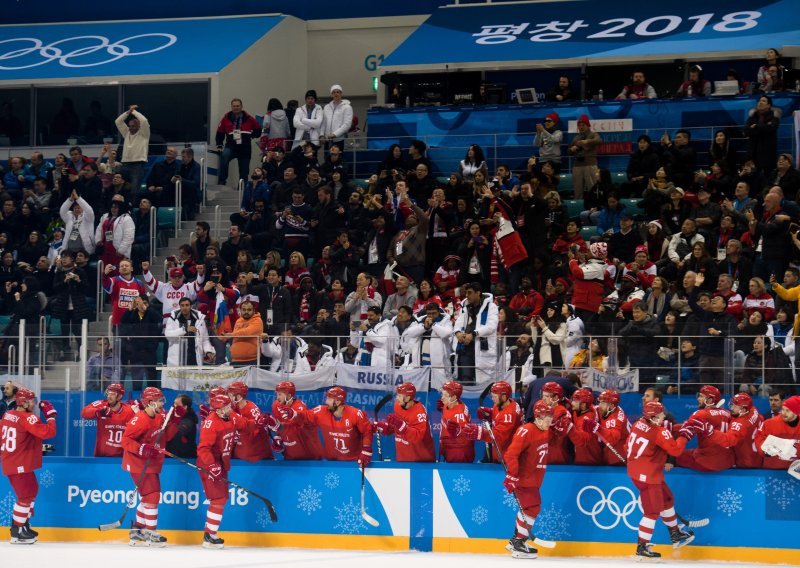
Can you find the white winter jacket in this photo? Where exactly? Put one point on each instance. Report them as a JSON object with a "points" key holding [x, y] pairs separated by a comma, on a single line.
{"points": [[303, 124], [122, 235], [176, 337], [338, 119], [86, 230]]}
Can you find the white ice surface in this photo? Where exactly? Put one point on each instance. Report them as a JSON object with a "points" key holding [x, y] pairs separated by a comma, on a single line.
{"points": [[105, 555]]}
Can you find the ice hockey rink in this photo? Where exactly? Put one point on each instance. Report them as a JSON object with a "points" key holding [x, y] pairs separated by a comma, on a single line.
{"points": [[105, 555]]}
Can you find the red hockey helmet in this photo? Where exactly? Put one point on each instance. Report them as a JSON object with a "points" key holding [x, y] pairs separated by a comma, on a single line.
{"points": [[407, 389], [237, 388], [220, 401], [287, 387], [336, 393], [610, 396], [712, 394], [453, 388], [152, 394], [501, 388], [583, 395], [743, 400], [553, 387], [216, 391], [117, 389], [23, 396], [652, 408], [541, 408]]}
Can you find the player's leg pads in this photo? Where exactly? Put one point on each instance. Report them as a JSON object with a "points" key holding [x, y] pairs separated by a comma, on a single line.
{"points": [[212, 541], [520, 549]]}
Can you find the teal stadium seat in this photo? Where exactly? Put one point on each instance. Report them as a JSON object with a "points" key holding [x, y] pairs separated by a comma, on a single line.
{"points": [[362, 183], [619, 177], [588, 232], [574, 207]]}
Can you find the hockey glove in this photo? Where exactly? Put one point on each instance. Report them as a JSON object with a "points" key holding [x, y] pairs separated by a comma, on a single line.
{"points": [[484, 413], [472, 431], [101, 408], [148, 451], [47, 410], [277, 445], [439, 405], [590, 426], [687, 432], [562, 426], [510, 483], [396, 423], [384, 428], [285, 413], [204, 411], [453, 429], [365, 458], [267, 421]]}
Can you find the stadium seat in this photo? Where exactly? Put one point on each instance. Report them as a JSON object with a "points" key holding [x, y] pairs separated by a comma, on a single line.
{"points": [[574, 207], [165, 218], [619, 177], [588, 232], [362, 183], [632, 204]]}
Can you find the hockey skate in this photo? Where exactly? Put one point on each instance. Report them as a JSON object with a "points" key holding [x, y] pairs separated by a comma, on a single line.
{"points": [[212, 541], [20, 535], [155, 538], [680, 537], [137, 537], [644, 551], [520, 549], [30, 530]]}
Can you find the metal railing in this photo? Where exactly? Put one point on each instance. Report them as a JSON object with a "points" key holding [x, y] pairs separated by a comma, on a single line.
{"points": [[153, 237], [240, 189], [178, 206], [203, 183], [99, 294]]}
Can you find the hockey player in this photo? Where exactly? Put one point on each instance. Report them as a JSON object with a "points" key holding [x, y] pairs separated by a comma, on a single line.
{"points": [[300, 440], [253, 442], [786, 426], [553, 395], [346, 431], [205, 409], [214, 456], [410, 426], [526, 462], [648, 446], [143, 458], [613, 426], [504, 417], [453, 444], [170, 293], [746, 420], [112, 415], [708, 456], [21, 452], [588, 448]]}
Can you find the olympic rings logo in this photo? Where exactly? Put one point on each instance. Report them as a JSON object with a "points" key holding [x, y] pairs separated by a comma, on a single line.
{"points": [[614, 510], [22, 47]]}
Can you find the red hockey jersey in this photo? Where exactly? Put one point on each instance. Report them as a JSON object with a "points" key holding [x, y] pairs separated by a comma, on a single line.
{"points": [[22, 433], [252, 441], [647, 449], [526, 458], [415, 444], [110, 427], [343, 438], [142, 429]]}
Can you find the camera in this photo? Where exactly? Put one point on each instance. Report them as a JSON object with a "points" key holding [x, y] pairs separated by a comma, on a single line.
{"points": [[215, 279]]}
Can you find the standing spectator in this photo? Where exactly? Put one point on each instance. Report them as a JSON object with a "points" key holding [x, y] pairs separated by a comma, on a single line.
{"points": [[135, 131], [476, 334], [642, 167], [364, 297], [308, 119], [771, 234], [764, 81], [184, 444], [276, 129], [638, 88], [219, 296], [404, 296], [115, 233], [202, 240], [640, 334], [589, 273], [140, 250], [275, 303], [584, 148], [408, 246], [190, 176], [100, 368], [377, 339], [246, 336], [140, 328], [187, 336], [7, 400], [471, 163], [237, 129], [762, 130], [337, 118], [679, 158], [161, 180], [122, 289], [785, 176], [328, 218], [548, 139], [68, 301]]}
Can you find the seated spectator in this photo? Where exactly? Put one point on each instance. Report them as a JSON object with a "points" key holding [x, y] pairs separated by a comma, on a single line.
{"points": [[622, 245], [785, 176], [404, 296], [236, 242], [766, 368], [732, 297], [595, 356], [658, 298], [722, 151], [638, 88], [719, 182], [425, 295], [32, 250], [527, 302], [701, 263], [752, 326], [101, 369], [569, 239], [644, 270], [759, 299], [596, 197], [695, 85], [675, 212], [244, 264], [14, 178], [609, 216], [561, 92], [657, 243], [782, 329], [445, 279], [295, 270], [737, 205]]}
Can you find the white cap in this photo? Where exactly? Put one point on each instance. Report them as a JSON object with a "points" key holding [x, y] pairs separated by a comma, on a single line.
{"points": [[336, 88]]}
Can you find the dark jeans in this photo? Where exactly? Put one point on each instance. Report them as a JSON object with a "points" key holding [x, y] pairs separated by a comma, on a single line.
{"points": [[229, 154], [466, 365], [133, 172]]}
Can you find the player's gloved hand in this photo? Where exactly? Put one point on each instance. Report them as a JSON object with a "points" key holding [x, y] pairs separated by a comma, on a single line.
{"points": [[384, 428], [204, 411], [214, 471], [687, 432], [177, 414], [472, 431], [136, 405], [277, 444], [590, 426], [285, 413], [365, 458], [453, 429], [148, 451], [510, 483], [562, 426], [439, 405], [47, 410], [267, 421], [101, 408], [396, 423], [484, 413]]}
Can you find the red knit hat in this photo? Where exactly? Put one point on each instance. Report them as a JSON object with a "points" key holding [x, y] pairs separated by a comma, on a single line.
{"points": [[552, 116], [584, 119]]}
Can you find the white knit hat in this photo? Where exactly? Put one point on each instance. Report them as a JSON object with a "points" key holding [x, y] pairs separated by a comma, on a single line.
{"points": [[336, 88]]}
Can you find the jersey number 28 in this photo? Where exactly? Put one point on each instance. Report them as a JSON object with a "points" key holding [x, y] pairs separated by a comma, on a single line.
{"points": [[9, 435]]}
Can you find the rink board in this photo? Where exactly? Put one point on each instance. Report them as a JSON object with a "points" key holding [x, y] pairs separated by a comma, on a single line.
{"points": [[591, 511]]}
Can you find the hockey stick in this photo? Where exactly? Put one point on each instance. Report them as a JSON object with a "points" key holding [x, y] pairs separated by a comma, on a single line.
{"points": [[691, 524], [270, 508], [381, 403], [364, 514], [130, 502], [537, 541], [487, 452]]}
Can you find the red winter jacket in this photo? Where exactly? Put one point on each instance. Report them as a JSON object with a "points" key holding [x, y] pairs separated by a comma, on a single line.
{"points": [[588, 284]]}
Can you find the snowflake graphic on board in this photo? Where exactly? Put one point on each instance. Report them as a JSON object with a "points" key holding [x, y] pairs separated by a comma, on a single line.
{"points": [[47, 478], [480, 515], [309, 500], [729, 502], [552, 523], [262, 518], [509, 500], [461, 485], [348, 518], [782, 492], [331, 480], [6, 506]]}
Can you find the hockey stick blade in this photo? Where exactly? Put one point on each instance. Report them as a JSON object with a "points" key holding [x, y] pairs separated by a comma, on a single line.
{"points": [[693, 524], [132, 500], [364, 515], [544, 543]]}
